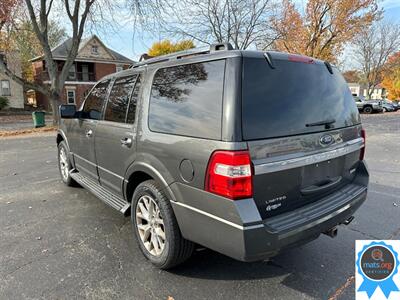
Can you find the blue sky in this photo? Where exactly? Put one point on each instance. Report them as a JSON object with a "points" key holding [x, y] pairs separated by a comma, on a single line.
{"points": [[132, 45]]}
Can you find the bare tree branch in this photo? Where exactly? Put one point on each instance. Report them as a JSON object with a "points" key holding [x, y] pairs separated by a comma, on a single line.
{"points": [[372, 48]]}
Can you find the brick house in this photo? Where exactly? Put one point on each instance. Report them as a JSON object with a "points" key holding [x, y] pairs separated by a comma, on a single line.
{"points": [[94, 61], [9, 88]]}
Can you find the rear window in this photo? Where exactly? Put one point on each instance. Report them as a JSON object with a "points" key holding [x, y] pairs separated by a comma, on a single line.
{"points": [[187, 100], [282, 101]]}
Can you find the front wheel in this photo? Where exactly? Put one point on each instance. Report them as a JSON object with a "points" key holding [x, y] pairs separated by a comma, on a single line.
{"points": [[367, 110], [64, 164], [156, 228]]}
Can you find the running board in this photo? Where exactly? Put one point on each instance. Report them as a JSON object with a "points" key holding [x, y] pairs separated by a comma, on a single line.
{"points": [[100, 192]]}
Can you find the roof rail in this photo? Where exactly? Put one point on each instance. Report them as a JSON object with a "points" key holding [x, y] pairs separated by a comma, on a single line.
{"points": [[182, 54]]}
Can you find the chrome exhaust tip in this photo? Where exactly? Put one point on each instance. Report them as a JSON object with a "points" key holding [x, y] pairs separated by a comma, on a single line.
{"points": [[348, 221], [331, 232]]}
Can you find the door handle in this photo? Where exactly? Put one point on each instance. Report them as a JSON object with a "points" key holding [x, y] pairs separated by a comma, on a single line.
{"points": [[89, 133], [127, 142]]}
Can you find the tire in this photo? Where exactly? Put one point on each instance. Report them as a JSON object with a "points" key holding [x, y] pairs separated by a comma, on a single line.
{"points": [[385, 109], [64, 164], [175, 249], [368, 110]]}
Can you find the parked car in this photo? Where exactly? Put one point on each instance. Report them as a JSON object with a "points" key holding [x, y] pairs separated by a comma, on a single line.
{"points": [[387, 106], [197, 148], [368, 106], [394, 104]]}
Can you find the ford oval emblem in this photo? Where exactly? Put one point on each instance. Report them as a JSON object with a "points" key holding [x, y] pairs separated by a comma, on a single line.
{"points": [[326, 140]]}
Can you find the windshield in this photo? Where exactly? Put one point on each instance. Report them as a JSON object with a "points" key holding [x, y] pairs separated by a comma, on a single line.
{"points": [[285, 100]]}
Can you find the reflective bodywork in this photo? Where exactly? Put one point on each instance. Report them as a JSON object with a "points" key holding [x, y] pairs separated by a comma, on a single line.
{"points": [[186, 109]]}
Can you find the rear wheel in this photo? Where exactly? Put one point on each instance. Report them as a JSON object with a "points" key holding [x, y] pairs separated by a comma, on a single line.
{"points": [[385, 109], [64, 164], [367, 110], [156, 229]]}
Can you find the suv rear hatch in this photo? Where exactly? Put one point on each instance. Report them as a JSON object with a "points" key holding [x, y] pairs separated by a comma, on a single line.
{"points": [[302, 128]]}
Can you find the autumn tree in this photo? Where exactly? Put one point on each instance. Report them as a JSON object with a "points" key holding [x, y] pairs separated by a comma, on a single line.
{"points": [[391, 76], [77, 15], [8, 9], [352, 76], [324, 28], [28, 45], [372, 49], [166, 47]]}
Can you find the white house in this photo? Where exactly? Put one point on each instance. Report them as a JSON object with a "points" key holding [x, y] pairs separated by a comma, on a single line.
{"points": [[8, 88], [361, 90]]}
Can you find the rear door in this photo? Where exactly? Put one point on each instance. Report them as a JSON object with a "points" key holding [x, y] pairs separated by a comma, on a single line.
{"points": [[116, 134], [303, 131], [82, 131]]}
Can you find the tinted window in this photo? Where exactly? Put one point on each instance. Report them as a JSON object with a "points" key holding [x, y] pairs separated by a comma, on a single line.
{"points": [[133, 102], [282, 101], [94, 102], [187, 100], [118, 100]]}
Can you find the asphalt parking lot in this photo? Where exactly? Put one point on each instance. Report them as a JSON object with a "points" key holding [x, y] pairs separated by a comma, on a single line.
{"points": [[58, 242]]}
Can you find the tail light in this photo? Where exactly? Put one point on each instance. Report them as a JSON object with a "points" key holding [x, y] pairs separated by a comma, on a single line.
{"points": [[362, 150], [229, 174]]}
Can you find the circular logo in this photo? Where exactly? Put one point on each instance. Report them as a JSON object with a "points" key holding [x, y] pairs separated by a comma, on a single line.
{"points": [[326, 140], [377, 262]]}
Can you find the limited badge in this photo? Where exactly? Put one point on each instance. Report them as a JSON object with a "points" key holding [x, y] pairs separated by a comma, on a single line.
{"points": [[377, 262]]}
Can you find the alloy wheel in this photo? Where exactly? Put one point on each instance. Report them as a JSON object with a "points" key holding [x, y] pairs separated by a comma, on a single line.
{"points": [[150, 225], [63, 160]]}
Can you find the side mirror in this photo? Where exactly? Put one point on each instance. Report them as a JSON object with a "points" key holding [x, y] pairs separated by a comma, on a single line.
{"points": [[68, 111]]}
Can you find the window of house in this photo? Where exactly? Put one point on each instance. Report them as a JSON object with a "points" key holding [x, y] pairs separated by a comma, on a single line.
{"points": [[5, 88], [71, 72], [95, 49], [132, 104], [71, 96], [118, 100], [94, 102], [119, 68], [3, 58], [187, 100]]}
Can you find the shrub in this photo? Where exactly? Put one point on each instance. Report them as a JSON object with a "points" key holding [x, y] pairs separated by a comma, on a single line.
{"points": [[3, 102]]}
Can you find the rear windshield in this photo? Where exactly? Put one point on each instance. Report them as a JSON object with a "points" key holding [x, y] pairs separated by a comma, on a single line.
{"points": [[283, 101]]}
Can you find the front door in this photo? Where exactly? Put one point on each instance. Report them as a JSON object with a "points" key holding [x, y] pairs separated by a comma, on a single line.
{"points": [[115, 140], [82, 131]]}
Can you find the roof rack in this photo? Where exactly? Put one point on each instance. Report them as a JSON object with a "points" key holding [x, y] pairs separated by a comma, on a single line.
{"points": [[182, 54]]}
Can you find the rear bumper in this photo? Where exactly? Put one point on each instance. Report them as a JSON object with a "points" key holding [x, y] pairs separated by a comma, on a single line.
{"points": [[273, 237], [235, 228]]}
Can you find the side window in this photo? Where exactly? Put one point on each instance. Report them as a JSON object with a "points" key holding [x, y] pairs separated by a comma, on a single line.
{"points": [[118, 100], [94, 102], [133, 102], [187, 100]]}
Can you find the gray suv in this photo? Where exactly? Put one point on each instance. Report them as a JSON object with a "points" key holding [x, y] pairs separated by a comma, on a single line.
{"points": [[196, 147], [368, 106]]}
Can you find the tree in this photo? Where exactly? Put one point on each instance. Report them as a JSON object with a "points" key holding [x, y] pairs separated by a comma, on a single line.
{"points": [[391, 76], [324, 28], [25, 40], [240, 22], [8, 8], [166, 46], [372, 48], [352, 76], [78, 13]]}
